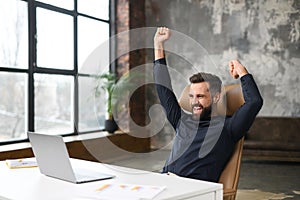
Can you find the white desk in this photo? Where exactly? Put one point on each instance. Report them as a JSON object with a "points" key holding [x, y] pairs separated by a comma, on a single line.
{"points": [[29, 184]]}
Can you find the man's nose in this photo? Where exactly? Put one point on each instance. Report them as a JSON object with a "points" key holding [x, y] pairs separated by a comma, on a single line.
{"points": [[194, 100]]}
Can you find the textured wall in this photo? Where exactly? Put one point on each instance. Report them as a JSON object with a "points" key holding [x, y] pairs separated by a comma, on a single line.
{"points": [[263, 35]]}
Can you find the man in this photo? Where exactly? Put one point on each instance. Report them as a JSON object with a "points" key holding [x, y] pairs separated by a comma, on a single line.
{"points": [[204, 141]]}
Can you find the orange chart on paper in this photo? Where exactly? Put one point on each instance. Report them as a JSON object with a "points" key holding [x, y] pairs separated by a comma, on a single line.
{"points": [[128, 190], [102, 187]]}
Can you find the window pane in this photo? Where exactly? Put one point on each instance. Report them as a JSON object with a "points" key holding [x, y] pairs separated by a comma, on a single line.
{"points": [[91, 109], [92, 34], [53, 104], [12, 106], [95, 8], [55, 48], [13, 34], [67, 4]]}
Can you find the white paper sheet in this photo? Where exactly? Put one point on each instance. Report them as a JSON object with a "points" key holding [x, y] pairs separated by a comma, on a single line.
{"points": [[109, 191]]}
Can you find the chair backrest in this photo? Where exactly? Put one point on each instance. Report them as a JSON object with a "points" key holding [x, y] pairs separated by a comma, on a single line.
{"points": [[230, 100]]}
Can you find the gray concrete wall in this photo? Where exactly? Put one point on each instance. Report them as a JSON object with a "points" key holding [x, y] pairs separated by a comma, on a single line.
{"points": [[263, 35]]}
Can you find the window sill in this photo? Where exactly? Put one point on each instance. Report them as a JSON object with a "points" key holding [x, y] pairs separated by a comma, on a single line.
{"points": [[77, 149], [73, 138]]}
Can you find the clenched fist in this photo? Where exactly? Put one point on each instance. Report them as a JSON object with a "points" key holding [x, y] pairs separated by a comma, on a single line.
{"points": [[162, 34], [236, 69]]}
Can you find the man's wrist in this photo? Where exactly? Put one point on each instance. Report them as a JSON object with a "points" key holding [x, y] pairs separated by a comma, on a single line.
{"points": [[158, 54], [159, 50], [242, 72], [158, 45]]}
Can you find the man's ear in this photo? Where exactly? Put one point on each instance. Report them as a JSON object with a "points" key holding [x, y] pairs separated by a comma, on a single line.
{"points": [[216, 97]]}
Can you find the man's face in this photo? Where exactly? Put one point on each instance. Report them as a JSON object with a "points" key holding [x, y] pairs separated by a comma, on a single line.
{"points": [[200, 100]]}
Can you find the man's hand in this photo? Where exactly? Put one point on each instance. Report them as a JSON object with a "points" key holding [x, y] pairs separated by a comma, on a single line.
{"points": [[162, 34], [236, 69]]}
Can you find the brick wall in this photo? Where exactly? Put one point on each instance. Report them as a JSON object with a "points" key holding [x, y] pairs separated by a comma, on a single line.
{"points": [[130, 15]]}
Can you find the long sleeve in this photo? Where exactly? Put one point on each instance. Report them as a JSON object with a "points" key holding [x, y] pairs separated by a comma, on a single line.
{"points": [[165, 92], [244, 117]]}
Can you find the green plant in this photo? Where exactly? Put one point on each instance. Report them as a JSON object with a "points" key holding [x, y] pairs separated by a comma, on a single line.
{"points": [[115, 88], [107, 83]]}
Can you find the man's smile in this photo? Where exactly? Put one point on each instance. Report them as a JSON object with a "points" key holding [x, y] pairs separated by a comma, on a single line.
{"points": [[197, 109]]}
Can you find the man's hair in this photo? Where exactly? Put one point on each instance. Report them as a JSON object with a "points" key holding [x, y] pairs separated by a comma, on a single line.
{"points": [[214, 81]]}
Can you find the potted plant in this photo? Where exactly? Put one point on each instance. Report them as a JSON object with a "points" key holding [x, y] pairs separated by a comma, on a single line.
{"points": [[107, 83], [118, 91]]}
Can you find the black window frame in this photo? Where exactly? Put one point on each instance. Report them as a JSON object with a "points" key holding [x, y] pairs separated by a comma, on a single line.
{"points": [[32, 6]]}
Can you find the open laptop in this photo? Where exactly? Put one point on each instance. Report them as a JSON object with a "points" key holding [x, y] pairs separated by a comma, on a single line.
{"points": [[54, 161]]}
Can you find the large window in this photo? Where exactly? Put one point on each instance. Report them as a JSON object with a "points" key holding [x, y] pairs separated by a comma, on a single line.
{"points": [[46, 79]]}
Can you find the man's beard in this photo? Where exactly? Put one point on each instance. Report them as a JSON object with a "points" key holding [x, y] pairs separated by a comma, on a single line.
{"points": [[205, 114]]}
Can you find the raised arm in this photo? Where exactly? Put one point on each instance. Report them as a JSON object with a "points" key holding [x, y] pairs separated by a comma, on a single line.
{"points": [[162, 78], [244, 117]]}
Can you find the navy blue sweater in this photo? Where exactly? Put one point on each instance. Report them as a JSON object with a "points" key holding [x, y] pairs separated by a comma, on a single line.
{"points": [[201, 149]]}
